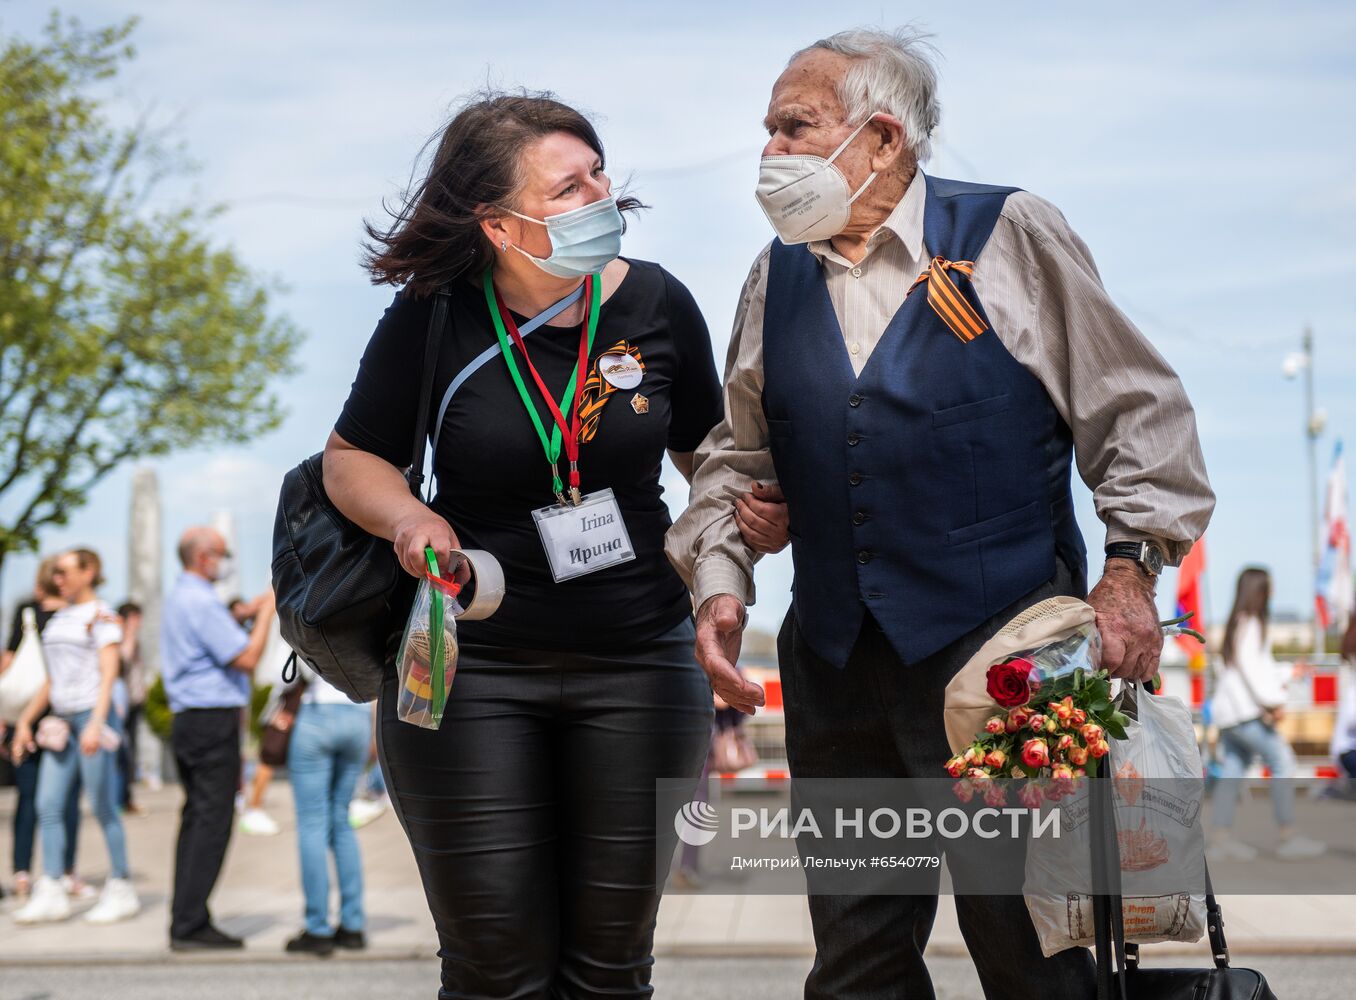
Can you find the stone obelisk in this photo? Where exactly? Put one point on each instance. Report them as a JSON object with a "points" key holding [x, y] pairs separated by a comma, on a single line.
{"points": [[145, 566]]}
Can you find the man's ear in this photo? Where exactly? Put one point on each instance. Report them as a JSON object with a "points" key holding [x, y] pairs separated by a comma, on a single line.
{"points": [[889, 146]]}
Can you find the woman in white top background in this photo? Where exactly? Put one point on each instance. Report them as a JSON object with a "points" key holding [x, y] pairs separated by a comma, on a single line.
{"points": [[1248, 702], [80, 645]]}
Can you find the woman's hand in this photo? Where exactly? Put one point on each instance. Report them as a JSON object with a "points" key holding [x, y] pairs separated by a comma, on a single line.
{"points": [[763, 518], [22, 744], [283, 720], [89, 737], [420, 529]]}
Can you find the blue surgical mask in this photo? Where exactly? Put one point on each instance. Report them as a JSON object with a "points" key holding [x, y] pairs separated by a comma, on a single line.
{"points": [[583, 240]]}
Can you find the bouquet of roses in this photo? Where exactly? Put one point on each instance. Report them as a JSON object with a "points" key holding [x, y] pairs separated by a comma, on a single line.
{"points": [[1052, 715]]}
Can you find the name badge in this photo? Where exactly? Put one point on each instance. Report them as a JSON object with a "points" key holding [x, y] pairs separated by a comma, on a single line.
{"points": [[585, 537]]}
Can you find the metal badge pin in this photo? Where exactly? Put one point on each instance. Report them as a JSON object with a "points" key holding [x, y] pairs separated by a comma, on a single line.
{"points": [[640, 404]]}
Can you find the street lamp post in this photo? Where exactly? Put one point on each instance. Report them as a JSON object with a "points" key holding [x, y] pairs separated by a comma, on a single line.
{"points": [[1314, 422]]}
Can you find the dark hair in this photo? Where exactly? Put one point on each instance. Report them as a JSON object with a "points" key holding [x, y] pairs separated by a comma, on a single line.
{"points": [[1252, 599], [46, 581], [128, 608], [435, 236]]}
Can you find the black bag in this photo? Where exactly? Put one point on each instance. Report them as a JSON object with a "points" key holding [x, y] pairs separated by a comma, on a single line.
{"points": [[341, 590], [1134, 982]]}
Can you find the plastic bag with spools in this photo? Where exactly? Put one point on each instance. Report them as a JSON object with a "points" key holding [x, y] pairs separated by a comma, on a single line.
{"points": [[427, 660]]}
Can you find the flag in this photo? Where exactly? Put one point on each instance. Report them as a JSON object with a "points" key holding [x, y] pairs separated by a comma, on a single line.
{"points": [[1333, 588], [1189, 601]]}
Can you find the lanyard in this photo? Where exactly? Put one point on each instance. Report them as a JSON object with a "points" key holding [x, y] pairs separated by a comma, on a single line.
{"points": [[566, 432]]}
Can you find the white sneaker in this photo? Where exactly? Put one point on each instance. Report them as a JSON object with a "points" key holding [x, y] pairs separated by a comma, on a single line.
{"points": [[1296, 848], [49, 903], [1230, 850], [118, 902], [258, 823], [364, 811]]}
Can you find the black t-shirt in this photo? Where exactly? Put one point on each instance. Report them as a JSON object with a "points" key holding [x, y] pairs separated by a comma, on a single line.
{"points": [[491, 469], [16, 628]]}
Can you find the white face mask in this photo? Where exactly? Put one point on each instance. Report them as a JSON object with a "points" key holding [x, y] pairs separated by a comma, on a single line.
{"points": [[804, 197], [583, 240]]}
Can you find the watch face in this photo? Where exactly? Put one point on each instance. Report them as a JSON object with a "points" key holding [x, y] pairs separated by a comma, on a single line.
{"points": [[1153, 559]]}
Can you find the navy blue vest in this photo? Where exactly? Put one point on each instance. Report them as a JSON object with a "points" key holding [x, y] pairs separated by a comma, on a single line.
{"points": [[933, 490]]}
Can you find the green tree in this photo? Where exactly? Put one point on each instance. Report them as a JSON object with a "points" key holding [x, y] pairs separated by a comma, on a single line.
{"points": [[125, 331]]}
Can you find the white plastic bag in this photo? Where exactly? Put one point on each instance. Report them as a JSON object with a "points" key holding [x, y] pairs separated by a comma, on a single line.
{"points": [[1156, 791], [26, 674]]}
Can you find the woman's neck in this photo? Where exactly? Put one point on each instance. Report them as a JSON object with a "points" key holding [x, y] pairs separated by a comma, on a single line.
{"points": [[527, 289], [84, 597]]}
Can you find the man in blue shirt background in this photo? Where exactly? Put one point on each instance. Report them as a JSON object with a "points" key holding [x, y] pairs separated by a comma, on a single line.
{"points": [[207, 659]]}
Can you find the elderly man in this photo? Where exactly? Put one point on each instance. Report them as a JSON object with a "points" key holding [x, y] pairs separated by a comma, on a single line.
{"points": [[207, 660], [915, 361]]}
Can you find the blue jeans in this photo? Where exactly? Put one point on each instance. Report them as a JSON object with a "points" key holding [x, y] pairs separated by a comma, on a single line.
{"points": [[325, 759], [26, 815], [56, 775], [1240, 745]]}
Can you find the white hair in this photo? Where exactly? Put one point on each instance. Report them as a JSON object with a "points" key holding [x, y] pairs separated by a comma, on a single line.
{"points": [[892, 71]]}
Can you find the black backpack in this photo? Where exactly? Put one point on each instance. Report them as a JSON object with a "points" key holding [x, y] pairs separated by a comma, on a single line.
{"points": [[341, 592]]}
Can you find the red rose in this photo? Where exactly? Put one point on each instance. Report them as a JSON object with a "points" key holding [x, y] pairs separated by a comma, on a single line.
{"points": [[1009, 683]]}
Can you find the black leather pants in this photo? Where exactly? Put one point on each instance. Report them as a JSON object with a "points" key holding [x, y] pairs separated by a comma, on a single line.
{"points": [[531, 812]]}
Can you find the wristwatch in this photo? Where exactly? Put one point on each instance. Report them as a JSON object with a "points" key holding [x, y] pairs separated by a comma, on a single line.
{"points": [[1148, 556]]}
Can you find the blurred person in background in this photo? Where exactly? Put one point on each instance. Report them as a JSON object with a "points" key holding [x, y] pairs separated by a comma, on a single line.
{"points": [[45, 603], [80, 646], [133, 673], [207, 659], [329, 746], [1247, 706], [254, 821], [1343, 746]]}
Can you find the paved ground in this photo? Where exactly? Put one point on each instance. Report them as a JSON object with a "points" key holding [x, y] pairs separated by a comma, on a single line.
{"points": [[1311, 977], [259, 897]]}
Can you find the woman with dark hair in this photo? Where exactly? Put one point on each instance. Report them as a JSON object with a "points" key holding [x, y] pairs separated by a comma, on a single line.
{"points": [[1247, 704], [45, 603], [531, 810]]}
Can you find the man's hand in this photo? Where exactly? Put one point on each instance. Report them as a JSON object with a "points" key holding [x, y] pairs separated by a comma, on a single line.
{"points": [[763, 518], [1128, 620], [720, 631], [421, 529]]}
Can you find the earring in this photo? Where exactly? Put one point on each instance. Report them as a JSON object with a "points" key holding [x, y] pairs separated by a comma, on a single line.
{"points": [[503, 244]]}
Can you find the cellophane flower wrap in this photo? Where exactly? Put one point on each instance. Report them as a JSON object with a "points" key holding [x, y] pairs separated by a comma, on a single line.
{"points": [[1053, 715]]}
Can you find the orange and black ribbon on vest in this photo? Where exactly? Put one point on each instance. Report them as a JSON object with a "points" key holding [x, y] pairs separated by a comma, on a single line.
{"points": [[946, 300], [597, 390]]}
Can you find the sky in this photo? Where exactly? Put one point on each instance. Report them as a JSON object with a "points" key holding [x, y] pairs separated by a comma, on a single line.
{"points": [[1197, 149]]}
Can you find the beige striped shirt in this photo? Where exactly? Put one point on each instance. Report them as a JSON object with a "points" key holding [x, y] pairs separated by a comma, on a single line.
{"points": [[1134, 430]]}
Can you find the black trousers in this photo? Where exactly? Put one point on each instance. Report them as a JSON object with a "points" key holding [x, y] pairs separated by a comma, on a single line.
{"points": [[531, 812], [881, 718], [127, 752], [206, 743]]}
